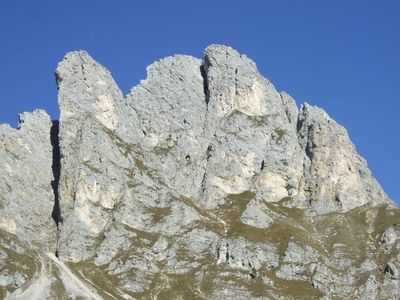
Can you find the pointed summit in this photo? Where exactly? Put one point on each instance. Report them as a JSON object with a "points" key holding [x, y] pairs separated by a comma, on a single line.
{"points": [[203, 182]]}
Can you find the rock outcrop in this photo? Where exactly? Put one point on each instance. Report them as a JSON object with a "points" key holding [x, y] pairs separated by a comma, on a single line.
{"points": [[27, 196], [204, 182]]}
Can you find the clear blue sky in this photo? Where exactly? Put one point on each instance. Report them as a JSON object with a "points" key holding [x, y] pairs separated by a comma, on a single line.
{"points": [[343, 56]]}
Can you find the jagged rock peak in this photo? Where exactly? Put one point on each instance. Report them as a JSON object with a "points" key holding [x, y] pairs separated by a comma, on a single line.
{"points": [[206, 130], [203, 182], [26, 197]]}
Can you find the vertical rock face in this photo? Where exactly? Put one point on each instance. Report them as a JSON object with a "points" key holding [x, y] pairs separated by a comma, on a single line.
{"points": [[171, 108], [26, 194], [253, 144], [113, 164], [337, 178], [203, 182], [89, 104], [26, 198]]}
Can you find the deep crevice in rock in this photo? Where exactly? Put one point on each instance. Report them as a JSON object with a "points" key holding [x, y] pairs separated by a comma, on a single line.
{"points": [[203, 71], [308, 145], [303, 141], [56, 167], [309, 152], [203, 181]]}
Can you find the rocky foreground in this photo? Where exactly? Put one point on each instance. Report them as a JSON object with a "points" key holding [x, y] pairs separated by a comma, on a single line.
{"points": [[204, 182]]}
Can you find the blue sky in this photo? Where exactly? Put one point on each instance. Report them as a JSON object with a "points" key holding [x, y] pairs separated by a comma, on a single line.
{"points": [[343, 56]]}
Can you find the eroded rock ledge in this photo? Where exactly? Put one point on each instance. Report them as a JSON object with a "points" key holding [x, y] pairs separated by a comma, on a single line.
{"points": [[204, 181]]}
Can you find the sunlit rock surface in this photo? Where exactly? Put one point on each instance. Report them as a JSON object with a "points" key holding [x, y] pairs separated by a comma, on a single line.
{"points": [[204, 182]]}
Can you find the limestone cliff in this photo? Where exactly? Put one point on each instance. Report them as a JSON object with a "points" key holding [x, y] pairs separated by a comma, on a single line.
{"points": [[204, 182]]}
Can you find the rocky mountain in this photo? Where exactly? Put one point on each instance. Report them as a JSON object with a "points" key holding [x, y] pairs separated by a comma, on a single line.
{"points": [[204, 182]]}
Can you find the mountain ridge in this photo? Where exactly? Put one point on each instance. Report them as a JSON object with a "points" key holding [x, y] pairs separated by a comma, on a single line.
{"points": [[204, 173]]}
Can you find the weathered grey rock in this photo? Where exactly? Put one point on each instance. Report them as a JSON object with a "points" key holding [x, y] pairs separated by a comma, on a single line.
{"points": [[244, 255], [390, 239], [26, 194], [253, 144], [92, 166], [337, 178], [204, 182], [171, 108], [299, 262], [15, 279], [128, 150], [391, 284], [370, 290], [257, 215]]}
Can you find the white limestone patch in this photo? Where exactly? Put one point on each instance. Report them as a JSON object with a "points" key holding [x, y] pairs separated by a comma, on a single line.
{"points": [[8, 224]]}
